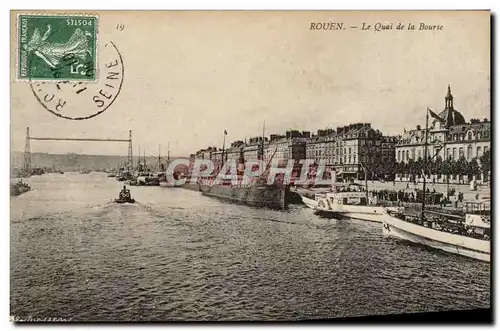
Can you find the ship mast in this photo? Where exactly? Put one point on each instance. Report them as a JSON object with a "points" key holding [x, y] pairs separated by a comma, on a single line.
{"points": [[168, 153], [138, 158], [425, 158], [262, 143], [223, 149], [159, 157]]}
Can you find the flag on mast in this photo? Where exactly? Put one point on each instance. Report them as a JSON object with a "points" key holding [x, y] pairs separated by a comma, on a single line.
{"points": [[436, 116]]}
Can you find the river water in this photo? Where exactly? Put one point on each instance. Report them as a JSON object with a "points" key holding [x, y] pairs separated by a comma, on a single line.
{"points": [[177, 255]]}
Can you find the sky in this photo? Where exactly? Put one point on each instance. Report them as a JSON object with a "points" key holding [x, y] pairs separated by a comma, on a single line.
{"points": [[188, 76]]}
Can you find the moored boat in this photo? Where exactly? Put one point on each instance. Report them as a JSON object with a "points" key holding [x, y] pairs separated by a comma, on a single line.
{"points": [[19, 188], [256, 195], [347, 200], [467, 235]]}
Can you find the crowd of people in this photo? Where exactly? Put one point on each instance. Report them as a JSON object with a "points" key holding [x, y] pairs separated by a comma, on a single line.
{"points": [[412, 196]]}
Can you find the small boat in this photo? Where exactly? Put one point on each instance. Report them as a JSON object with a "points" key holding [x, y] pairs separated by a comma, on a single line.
{"points": [[348, 200], [19, 188], [164, 182], [124, 196], [123, 176]]}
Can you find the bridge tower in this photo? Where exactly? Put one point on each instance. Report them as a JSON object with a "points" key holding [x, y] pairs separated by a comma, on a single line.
{"points": [[130, 156], [27, 152]]}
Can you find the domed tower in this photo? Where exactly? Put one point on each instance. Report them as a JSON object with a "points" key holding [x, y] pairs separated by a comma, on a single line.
{"points": [[450, 115]]}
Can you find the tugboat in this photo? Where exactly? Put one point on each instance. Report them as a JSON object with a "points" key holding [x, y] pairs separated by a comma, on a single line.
{"points": [[19, 188], [124, 196]]}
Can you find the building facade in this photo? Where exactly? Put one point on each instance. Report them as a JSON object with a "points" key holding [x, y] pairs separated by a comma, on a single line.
{"points": [[351, 148], [322, 147], [291, 146], [449, 136]]}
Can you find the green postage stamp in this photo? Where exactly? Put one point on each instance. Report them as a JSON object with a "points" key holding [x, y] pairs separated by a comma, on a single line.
{"points": [[57, 47]]}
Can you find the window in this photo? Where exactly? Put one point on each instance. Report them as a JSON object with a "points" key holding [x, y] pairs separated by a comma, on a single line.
{"points": [[407, 155], [454, 153], [478, 135], [485, 149], [460, 152], [350, 150], [469, 152], [478, 152], [345, 159], [399, 156], [354, 159], [469, 135], [349, 159], [448, 153]]}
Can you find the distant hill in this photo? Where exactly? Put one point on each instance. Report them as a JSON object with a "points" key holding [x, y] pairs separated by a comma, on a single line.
{"points": [[77, 162]]}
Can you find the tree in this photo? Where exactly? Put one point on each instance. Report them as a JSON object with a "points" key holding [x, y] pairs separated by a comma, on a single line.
{"points": [[446, 170], [437, 165], [400, 168], [462, 166], [447, 167], [411, 167], [473, 166], [485, 160], [386, 168], [419, 166]]}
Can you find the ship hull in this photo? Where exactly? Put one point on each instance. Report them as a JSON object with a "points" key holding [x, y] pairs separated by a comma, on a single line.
{"points": [[255, 196], [311, 203], [370, 217], [452, 243], [364, 213]]}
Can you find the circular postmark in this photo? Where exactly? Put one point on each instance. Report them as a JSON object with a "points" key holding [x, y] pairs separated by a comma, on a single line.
{"points": [[75, 100]]}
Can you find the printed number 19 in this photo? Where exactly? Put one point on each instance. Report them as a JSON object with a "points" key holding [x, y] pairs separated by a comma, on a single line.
{"points": [[120, 27]]}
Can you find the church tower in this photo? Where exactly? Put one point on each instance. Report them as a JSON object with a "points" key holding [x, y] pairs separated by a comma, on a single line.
{"points": [[448, 100]]}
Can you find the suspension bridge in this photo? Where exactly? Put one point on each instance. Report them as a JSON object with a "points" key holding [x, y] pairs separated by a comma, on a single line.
{"points": [[27, 147]]}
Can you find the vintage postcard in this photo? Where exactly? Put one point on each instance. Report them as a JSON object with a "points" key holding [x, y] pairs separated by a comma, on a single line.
{"points": [[250, 166]]}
